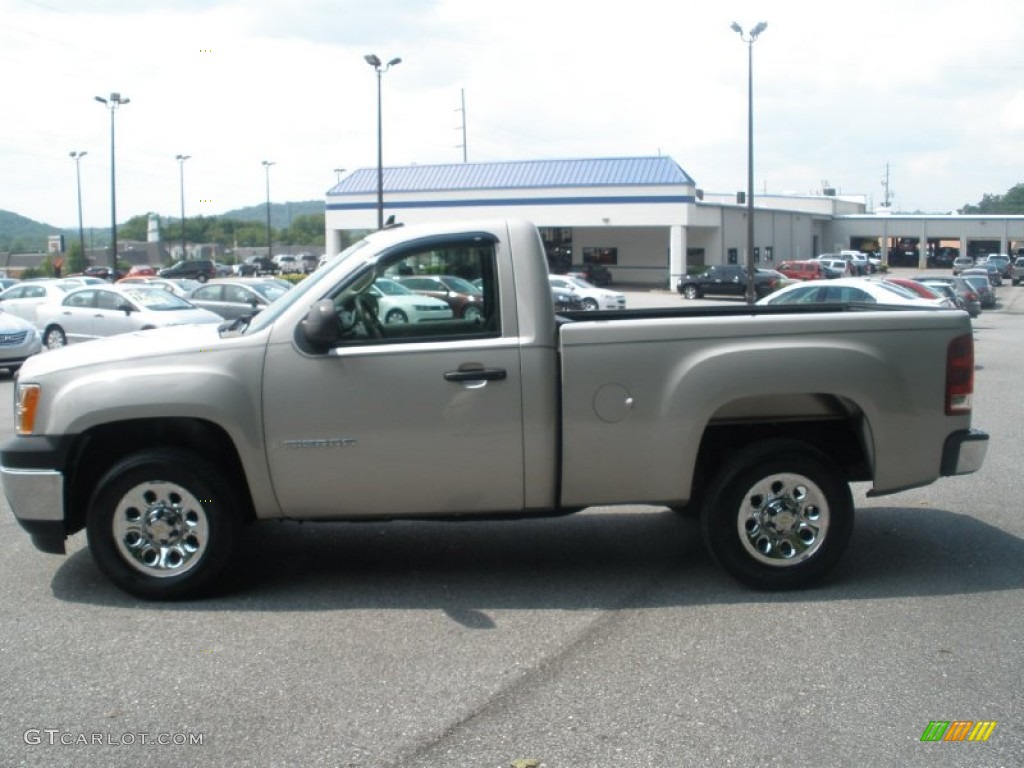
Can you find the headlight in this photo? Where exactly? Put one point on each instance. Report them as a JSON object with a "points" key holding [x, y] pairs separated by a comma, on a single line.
{"points": [[25, 408]]}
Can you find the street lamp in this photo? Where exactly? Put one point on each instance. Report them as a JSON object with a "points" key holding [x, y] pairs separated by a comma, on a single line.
{"points": [[112, 104], [181, 178], [374, 62], [749, 40], [77, 156], [266, 168], [337, 174]]}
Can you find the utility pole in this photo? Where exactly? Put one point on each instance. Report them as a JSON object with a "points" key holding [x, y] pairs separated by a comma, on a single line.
{"points": [[462, 109]]}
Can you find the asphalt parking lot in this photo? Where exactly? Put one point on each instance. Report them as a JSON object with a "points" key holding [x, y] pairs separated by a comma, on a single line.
{"points": [[607, 638]]}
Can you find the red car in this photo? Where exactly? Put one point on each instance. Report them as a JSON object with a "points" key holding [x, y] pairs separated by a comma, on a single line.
{"points": [[803, 270], [921, 290]]}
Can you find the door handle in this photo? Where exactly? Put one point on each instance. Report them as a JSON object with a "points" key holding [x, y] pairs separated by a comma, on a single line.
{"points": [[476, 374]]}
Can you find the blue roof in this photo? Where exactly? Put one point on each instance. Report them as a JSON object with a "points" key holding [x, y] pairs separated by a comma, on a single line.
{"points": [[523, 174]]}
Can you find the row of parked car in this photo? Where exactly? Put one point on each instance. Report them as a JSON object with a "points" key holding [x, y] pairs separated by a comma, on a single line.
{"points": [[52, 313]]}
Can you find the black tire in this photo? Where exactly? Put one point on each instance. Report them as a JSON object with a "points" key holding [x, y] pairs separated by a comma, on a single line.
{"points": [[395, 317], [778, 515], [590, 304], [164, 525], [690, 291], [473, 313], [54, 337], [202, 278]]}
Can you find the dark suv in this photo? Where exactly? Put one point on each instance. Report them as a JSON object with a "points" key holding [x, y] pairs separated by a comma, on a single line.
{"points": [[194, 269], [728, 280]]}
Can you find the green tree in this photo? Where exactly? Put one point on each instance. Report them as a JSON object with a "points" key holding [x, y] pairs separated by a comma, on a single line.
{"points": [[75, 262], [1011, 203]]}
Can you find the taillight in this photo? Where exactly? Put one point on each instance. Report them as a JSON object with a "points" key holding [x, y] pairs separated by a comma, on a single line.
{"points": [[959, 375]]}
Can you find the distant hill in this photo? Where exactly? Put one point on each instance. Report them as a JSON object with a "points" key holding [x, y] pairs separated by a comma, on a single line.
{"points": [[281, 214], [22, 235], [18, 233]]}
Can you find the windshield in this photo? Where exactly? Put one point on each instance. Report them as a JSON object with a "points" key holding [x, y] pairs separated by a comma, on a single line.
{"points": [[301, 292], [268, 290]]}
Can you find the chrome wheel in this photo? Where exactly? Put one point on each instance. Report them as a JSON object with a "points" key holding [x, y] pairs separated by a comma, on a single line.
{"points": [[472, 313], [783, 519], [161, 529], [395, 317], [691, 292], [589, 304], [54, 338]]}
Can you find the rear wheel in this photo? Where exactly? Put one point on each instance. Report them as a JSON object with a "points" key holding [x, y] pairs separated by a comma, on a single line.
{"points": [[778, 515], [472, 313], [164, 525], [54, 337]]}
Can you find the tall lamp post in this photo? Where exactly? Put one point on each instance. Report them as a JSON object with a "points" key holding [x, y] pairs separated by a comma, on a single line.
{"points": [[380, 69], [181, 180], [751, 296], [77, 156], [266, 168], [112, 104]]}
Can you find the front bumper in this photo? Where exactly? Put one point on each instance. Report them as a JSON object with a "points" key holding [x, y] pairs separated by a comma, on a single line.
{"points": [[31, 472], [964, 452]]}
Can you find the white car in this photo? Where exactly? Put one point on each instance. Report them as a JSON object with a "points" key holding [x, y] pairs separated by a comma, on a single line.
{"points": [[23, 299], [397, 304], [591, 296], [845, 290], [94, 312]]}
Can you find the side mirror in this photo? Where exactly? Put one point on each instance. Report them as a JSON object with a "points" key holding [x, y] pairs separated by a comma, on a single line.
{"points": [[320, 326]]}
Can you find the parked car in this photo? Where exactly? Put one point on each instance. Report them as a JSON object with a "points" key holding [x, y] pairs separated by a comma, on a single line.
{"points": [[992, 269], [256, 265], [728, 280], [309, 262], [142, 270], [846, 290], [223, 270], [965, 292], [836, 267], [465, 299], [104, 273], [78, 281], [232, 297], [592, 296], [804, 270], [19, 340], [92, 313], [397, 304], [1017, 270], [960, 263], [939, 298], [194, 269], [981, 281], [288, 264], [7, 282], [23, 299], [595, 274], [1002, 262], [566, 301]]}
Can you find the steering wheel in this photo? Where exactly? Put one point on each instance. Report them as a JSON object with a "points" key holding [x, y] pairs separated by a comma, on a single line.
{"points": [[366, 315]]}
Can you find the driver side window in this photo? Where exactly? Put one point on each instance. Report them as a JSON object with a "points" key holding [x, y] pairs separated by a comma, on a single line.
{"points": [[433, 292]]}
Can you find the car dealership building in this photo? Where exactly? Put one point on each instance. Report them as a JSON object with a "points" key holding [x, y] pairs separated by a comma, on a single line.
{"points": [[646, 219]]}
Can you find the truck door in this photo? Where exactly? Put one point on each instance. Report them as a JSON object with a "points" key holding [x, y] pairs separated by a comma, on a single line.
{"points": [[413, 417]]}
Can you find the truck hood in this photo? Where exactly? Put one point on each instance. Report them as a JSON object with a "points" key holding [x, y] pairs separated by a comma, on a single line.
{"points": [[138, 345]]}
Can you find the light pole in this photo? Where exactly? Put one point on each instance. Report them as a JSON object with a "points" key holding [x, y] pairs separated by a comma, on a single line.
{"points": [[266, 168], [77, 156], [749, 40], [181, 179], [337, 175], [374, 62], [112, 104]]}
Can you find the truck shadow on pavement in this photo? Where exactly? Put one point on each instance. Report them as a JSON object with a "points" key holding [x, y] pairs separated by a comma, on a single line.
{"points": [[604, 558]]}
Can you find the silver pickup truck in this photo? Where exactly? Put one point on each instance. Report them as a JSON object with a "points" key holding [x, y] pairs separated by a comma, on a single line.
{"points": [[163, 444]]}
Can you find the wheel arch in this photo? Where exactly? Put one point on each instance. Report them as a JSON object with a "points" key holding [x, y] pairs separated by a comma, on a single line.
{"points": [[99, 448]]}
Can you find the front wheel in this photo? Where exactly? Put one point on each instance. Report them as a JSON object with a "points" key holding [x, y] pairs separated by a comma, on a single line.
{"points": [[691, 292], [164, 525], [54, 337], [778, 515], [472, 313], [589, 304], [395, 317]]}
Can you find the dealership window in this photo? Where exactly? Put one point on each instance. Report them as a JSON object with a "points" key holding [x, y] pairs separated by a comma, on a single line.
{"points": [[606, 256]]}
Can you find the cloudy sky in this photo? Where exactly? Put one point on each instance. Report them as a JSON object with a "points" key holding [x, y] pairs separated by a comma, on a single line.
{"points": [[933, 90]]}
